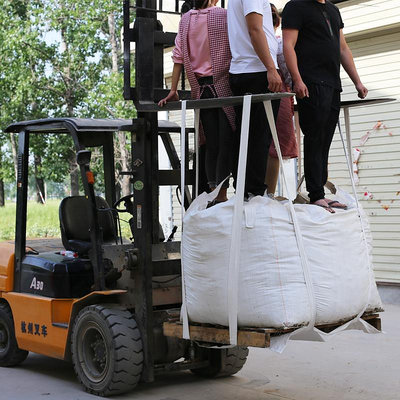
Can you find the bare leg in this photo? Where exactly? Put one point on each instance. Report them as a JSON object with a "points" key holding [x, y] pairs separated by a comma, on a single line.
{"points": [[271, 177], [222, 195]]}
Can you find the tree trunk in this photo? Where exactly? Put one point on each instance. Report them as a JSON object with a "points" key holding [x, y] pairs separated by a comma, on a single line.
{"points": [[40, 192], [14, 150], [124, 153], [117, 190], [69, 101], [69, 89], [124, 180], [74, 175], [2, 202], [113, 42], [2, 198]]}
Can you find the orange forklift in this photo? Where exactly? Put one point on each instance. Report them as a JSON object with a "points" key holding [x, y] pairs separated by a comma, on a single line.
{"points": [[94, 297]]}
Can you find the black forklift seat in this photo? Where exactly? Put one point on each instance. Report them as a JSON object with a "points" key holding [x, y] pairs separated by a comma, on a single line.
{"points": [[75, 223]]}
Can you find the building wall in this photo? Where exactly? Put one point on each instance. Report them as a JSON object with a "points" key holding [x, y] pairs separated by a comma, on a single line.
{"points": [[369, 16], [372, 29]]}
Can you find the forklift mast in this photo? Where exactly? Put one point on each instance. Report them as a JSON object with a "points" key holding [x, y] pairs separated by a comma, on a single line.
{"points": [[143, 29]]}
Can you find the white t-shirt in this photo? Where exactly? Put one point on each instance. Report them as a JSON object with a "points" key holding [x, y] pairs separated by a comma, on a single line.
{"points": [[244, 58]]}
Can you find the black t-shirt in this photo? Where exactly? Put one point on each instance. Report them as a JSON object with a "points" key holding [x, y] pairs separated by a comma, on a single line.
{"points": [[318, 42]]}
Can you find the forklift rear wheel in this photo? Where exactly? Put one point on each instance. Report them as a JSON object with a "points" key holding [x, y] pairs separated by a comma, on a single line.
{"points": [[10, 353], [106, 349], [223, 362]]}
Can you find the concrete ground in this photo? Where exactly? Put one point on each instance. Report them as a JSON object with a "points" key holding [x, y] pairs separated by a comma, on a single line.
{"points": [[351, 366]]}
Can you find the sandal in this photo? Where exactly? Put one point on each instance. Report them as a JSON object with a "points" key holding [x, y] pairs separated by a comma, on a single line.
{"points": [[327, 208], [338, 204]]}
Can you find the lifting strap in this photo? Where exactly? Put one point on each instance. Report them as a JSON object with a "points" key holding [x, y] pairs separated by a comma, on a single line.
{"points": [[184, 314], [234, 255]]}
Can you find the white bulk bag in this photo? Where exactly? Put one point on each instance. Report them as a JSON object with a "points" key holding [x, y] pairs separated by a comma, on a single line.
{"points": [[272, 290], [266, 263]]}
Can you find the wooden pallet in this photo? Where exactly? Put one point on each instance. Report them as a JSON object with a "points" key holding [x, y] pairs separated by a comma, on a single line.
{"points": [[249, 337]]}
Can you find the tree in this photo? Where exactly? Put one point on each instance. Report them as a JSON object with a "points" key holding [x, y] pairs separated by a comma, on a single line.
{"points": [[85, 75], [21, 70], [2, 197], [108, 100], [78, 75]]}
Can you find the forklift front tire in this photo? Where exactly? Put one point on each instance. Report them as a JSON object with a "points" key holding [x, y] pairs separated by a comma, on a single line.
{"points": [[106, 349], [10, 353]]}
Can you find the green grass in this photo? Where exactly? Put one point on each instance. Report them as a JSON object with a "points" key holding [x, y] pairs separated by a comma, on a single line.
{"points": [[42, 221]]}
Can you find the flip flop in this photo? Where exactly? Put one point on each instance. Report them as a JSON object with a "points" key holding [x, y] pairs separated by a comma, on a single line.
{"points": [[331, 204], [329, 209]]}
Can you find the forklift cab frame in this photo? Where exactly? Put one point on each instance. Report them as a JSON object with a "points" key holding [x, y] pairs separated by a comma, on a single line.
{"points": [[84, 133]]}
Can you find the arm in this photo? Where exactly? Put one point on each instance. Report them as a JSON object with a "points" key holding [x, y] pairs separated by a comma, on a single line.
{"points": [[346, 59], [280, 58], [173, 93], [177, 58], [260, 44], [289, 43]]}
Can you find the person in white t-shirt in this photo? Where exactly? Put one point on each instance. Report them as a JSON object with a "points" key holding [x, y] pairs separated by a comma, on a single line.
{"points": [[253, 70]]}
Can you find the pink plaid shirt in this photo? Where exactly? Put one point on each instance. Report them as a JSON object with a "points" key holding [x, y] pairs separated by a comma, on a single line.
{"points": [[220, 55], [199, 44]]}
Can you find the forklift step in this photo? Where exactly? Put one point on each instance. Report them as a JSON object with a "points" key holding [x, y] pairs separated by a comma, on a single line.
{"points": [[60, 325]]}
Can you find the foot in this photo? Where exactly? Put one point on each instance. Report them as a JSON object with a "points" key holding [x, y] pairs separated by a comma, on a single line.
{"points": [[322, 203], [335, 204]]}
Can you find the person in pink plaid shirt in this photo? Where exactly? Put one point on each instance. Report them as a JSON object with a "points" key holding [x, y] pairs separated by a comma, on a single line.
{"points": [[202, 47]]}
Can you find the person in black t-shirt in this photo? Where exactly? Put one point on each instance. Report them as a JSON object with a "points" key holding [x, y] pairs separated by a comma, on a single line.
{"points": [[314, 47]]}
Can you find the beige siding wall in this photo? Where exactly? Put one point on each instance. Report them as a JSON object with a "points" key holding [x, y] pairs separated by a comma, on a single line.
{"points": [[377, 59], [369, 15]]}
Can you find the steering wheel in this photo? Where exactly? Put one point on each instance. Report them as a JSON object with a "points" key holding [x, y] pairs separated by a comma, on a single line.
{"points": [[128, 203]]}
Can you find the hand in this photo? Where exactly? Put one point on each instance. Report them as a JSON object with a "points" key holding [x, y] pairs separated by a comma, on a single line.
{"points": [[300, 89], [274, 81], [362, 90], [172, 96]]}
